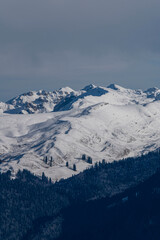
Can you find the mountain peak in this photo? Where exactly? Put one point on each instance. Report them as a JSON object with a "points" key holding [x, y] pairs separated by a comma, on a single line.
{"points": [[66, 90], [151, 90], [89, 87], [114, 86], [153, 93]]}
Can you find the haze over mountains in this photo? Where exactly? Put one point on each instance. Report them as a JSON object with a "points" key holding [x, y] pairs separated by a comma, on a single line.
{"points": [[108, 123]]}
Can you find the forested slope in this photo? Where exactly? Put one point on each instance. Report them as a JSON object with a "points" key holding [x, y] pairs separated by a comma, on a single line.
{"points": [[32, 208]]}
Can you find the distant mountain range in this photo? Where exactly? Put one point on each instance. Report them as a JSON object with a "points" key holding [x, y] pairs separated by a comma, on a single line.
{"points": [[35, 101], [45, 131], [42, 101]]}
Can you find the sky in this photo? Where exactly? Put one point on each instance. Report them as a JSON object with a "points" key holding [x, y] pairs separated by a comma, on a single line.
{"points": [[48, 44]]}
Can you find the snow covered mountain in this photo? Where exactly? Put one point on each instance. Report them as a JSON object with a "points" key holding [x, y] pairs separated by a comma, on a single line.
{"points": [[108, 123], [35, 102]]}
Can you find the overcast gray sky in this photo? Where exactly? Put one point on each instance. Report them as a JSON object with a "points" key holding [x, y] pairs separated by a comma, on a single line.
{"points": [[47, 44]]}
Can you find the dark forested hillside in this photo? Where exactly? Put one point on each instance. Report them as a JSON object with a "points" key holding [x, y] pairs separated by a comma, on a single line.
{"points": [[26, 204], [134, 215], [32, 208]]}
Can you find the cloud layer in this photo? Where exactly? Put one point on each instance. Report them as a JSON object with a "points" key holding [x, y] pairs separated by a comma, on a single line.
{"points": [[53, 43]]}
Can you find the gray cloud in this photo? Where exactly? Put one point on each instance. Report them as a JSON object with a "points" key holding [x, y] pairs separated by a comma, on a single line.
{"points": [[53, 43]]}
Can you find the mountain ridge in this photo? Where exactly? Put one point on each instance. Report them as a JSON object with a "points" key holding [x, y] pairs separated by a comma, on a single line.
{"points": [[43, 101], [108, 123]]}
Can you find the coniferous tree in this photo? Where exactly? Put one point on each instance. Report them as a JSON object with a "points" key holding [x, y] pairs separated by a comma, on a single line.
{"points": [[46, 159], [74, 167], [50, 181], [96, 165], [44, 178], [103, 161], [89, 160]]}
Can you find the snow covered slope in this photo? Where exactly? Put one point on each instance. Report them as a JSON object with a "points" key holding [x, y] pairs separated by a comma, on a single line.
{"points": [[108, 123]]}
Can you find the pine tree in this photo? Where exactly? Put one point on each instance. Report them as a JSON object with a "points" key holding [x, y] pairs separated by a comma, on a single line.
{"points": [[89, 160], [103, 161], [44, 178], [45, 159], [96, 165], [74, 167]]}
